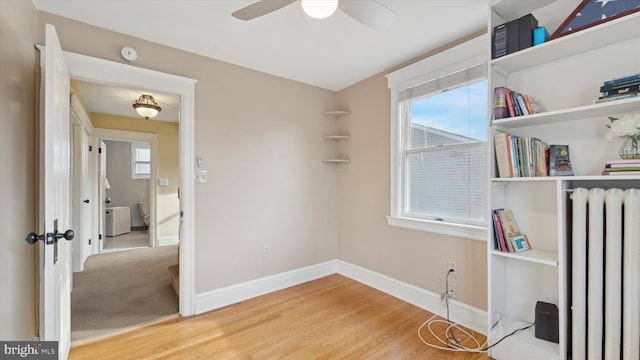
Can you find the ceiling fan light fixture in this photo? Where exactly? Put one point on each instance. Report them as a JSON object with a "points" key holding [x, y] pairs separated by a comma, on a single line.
{"points": [[147, 107], [319, 9]]}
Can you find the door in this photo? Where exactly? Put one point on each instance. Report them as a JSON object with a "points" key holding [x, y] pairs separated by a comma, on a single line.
{"points": [[103, 187], [55, 196], [81, 246]]}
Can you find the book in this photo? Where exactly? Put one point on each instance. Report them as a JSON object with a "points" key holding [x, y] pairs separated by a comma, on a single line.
{"points": [[499, 239], [506, 241], [559, 161], [630, 89], [500, 110], [604, 88], [622, 78], [514, 102], [509, 224], [629, 162], [496, 237], [521, 104], [620, 173], [515, 155], [512, 112], [528, 104], [622, 168], [617, 97], [502, 155]]}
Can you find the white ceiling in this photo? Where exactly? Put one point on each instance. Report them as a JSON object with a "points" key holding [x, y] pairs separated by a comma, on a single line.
{"points": [[332, 53], [117, 100]]}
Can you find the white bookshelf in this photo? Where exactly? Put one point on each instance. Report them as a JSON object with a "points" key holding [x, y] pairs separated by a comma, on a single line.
{"points": [[564, 76]]}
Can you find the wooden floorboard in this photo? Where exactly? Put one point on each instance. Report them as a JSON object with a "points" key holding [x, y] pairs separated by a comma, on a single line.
{"points": [[330, 318]]}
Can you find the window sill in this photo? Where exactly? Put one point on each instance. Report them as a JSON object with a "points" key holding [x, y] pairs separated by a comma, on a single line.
{"points": [[459, 230]]}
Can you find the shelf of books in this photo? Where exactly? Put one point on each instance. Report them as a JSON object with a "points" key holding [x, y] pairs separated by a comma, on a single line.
{"points": [[602, 109], [594, 38], [510, 242], [551, 131]]}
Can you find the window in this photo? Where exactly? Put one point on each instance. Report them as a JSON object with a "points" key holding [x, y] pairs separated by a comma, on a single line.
{"points": [[439, 143], [140, 161]]}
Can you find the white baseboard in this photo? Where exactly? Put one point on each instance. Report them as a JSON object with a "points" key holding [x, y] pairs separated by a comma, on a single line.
{"points": [[168, 240], [218, 298], [461, 313]]}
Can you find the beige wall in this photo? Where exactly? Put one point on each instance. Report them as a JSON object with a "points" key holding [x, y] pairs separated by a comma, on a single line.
{"points": [[416, 257], [260, 137], [168, 204], [18, 61]]}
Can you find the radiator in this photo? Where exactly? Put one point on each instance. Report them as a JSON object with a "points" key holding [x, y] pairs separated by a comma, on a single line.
{"points": [[605, 274]]}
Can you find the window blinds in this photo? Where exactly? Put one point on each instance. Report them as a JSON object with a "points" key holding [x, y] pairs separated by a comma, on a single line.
{"points": [[444, 83]]}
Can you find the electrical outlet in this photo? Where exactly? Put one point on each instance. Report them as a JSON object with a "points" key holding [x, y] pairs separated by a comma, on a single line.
{"points": [[452, 294], [453, 266], [266, 251]]}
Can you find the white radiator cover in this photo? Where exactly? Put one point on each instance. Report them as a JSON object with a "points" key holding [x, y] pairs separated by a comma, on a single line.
{"points": [[605, 274], [118, 220]]}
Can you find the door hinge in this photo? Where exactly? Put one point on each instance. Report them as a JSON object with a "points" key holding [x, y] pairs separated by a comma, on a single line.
{"points": [[99, 150], [90, 148], [100, 237], [181, 213], [89, 241]]}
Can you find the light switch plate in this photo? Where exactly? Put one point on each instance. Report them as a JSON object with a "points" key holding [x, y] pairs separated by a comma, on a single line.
{"points": [[163, 182], [201, 177]]}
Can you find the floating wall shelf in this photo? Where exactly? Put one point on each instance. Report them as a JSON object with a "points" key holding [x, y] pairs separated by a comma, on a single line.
{"points": [[336, 114]]}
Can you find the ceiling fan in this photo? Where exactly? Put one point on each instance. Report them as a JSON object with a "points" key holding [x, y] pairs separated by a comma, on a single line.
{"points": [[370, 13]]}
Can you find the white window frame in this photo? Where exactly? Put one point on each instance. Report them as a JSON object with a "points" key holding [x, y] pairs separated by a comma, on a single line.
{"points": [[460, 57], [134, 160]]}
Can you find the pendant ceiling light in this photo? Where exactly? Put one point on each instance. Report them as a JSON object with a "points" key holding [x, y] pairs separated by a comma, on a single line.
{"points": [[147, 107], [319, 9]]}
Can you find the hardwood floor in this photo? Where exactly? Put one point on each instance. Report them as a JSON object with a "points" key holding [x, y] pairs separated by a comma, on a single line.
{"points": [[330, 318]]}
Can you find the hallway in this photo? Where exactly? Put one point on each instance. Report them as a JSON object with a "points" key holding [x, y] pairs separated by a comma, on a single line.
{"points": [[121, 289]]}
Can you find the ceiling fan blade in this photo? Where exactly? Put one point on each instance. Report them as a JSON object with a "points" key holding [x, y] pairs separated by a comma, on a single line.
{"points": [[370, 13], [260, 8]]}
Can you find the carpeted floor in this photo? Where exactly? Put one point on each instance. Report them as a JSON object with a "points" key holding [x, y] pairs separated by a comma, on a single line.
{"points": [[120, 289]]}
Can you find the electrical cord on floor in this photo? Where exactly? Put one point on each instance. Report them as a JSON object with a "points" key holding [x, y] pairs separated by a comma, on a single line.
{"points": [[451, 341], [506, 336]]}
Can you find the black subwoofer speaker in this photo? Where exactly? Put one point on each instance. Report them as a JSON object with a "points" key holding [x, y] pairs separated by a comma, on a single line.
{"points": [[547, 322]]}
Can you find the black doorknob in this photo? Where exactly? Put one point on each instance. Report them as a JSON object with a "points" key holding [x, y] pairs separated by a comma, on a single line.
{"points": [[86, 201], [50, 238], [33, 238], [68, 235]]}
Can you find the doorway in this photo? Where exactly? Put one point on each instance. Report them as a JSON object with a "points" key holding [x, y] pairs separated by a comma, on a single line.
{"points": [[128, 195], [99, 70], [140, 169]]}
